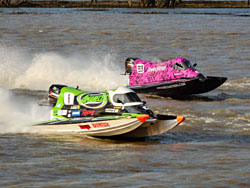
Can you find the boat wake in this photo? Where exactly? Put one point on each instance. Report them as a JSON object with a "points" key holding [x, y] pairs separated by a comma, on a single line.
{"points": [[21, 69], [18, 112]]}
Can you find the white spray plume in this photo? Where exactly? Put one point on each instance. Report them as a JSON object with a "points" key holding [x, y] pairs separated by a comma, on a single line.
{"points": [[19, 69], [17, 113]]}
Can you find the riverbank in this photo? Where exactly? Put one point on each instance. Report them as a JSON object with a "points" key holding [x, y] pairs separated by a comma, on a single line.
{"points": [[124, 4]]}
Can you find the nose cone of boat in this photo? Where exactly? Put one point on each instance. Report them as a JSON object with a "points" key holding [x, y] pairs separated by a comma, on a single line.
{"points": [[180, 119], [223, 79], [142, 118]]}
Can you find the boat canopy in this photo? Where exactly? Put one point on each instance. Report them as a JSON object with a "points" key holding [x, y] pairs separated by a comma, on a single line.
{"points": [[183, 65], [124, 96]]}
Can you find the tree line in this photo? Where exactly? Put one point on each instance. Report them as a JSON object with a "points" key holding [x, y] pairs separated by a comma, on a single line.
{"points": [[153, 3], [143, 3], [130, 3], [16, 2]]}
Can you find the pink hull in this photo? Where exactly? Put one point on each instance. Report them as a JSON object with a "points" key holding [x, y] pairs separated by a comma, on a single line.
{"points": [[146, 72]]}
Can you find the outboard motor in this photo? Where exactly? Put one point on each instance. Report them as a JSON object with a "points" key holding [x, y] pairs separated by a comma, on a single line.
{"points": [[129, 64]]}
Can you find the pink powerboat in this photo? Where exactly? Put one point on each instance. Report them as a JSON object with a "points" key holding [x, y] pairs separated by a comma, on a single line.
{"points": [[174, 78]]}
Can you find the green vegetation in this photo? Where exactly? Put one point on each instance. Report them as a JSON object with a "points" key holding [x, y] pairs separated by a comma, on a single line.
{"points": [[125, 4]]}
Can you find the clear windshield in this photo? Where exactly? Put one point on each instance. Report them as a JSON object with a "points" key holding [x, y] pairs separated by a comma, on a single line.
{"points": [[135, 110], [187, 64], [183, 65], [139, 109], [126, 98]]}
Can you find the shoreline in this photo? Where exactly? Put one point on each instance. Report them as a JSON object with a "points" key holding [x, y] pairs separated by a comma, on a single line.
{"points": [[124, 4]]}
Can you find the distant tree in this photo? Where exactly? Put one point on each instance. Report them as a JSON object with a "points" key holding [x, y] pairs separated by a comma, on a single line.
{"points": [[167, 3], [5, 2], [172, 3], [147, 3], [19, 2], [142, 2], [178, 2], [130, 3], [151, 3], [15, 2]]}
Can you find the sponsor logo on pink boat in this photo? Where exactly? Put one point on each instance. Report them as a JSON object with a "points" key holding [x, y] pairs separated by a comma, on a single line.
{"points": [[155, 72]]}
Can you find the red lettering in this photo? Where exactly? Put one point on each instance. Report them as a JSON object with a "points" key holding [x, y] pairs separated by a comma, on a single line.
{"points": [[100, 125], [87, 112]]}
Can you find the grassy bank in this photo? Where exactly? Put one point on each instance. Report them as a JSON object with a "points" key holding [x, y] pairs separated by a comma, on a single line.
{"points": [[124, 4]]}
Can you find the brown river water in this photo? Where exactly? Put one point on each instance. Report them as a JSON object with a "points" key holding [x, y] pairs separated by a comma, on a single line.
{"points": [[39, 47]]}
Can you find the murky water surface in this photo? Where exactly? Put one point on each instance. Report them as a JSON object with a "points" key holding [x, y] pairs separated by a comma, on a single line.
{"points": [[39, 47]]}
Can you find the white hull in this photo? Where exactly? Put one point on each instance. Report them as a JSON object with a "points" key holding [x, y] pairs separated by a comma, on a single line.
{"points": [[97, 128], [154, 127]]}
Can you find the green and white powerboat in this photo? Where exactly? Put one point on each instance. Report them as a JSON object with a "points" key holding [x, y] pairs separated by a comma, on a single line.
{"points": [[119, 112]]}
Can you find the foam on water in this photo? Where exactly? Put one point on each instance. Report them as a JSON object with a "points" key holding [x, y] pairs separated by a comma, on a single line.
{"points": [[17, 113], [20, 69], [239, 84]]}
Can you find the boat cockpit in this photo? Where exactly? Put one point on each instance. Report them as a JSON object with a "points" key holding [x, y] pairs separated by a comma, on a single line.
{"points": [[183, 65]]}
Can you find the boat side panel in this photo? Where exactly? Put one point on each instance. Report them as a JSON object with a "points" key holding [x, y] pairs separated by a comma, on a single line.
{"points": [[145, 72], [99, 128], [182, 88]]}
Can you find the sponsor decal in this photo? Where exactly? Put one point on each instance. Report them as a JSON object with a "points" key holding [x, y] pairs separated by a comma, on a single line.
{"points": [[75, 107], [76, 113], [140, 68], [111, 110], [58, 105], [100, 125], [85, 127], [87, 113], [156, 68], [69, 98], [171, 86], [62, 112], [117, 107], [69, 115], [93, 100], [177, 74]]}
